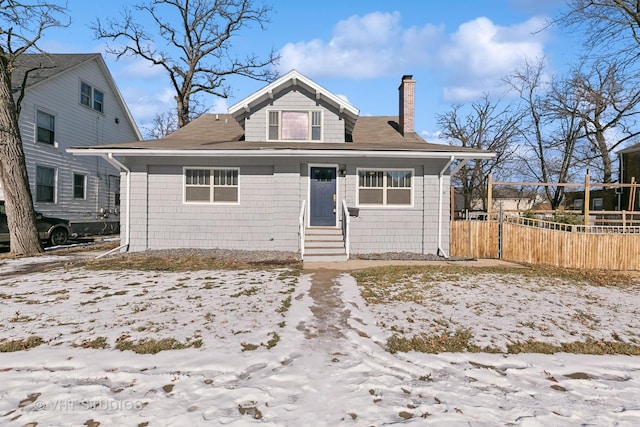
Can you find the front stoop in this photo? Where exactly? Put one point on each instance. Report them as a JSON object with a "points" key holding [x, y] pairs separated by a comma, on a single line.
{"points": [[324, 244]]}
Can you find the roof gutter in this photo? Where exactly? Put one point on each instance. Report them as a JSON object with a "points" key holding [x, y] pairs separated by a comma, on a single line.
{"points": [[127, 232], [270, 152]]}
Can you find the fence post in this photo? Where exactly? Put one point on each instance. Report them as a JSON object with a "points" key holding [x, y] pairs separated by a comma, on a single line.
{"points": [[500, 231], [489, 195], [587, 194]]}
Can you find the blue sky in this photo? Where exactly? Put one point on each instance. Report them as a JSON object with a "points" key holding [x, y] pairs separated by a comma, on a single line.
{"points": [[359, 49]]}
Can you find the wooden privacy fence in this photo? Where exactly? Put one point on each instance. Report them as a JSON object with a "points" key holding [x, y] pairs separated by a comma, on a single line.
{"points": [[535, 242]]}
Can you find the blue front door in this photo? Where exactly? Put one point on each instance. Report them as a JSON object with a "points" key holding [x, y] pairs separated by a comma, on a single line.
{"points": [[322, 206]]}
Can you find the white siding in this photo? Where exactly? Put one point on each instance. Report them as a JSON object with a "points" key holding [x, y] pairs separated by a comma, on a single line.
{"points": [[75, 125]]}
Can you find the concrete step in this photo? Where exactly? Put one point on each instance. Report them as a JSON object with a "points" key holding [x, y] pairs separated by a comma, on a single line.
{"points": [[324, 258], [325, 250], [324, 239], [316, 231], [323, 243]]}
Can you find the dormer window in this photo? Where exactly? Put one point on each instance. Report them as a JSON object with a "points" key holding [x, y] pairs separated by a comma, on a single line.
{"points": [[295, 126]]}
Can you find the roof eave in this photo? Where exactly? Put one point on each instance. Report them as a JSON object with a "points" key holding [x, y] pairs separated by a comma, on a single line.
{"points": [[133, 152], [292, 78]]}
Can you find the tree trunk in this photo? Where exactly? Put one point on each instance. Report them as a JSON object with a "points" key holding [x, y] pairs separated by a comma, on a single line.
{"points": [[21, 216]]}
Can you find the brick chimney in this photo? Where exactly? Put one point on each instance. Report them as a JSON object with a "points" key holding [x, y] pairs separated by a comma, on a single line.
{"points": [[407, 91]]}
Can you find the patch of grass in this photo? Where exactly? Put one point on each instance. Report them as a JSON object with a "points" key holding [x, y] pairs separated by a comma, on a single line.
{"points": [[246, 292], [184, 263], [284, 306], [19, 345], [98, 343], [153, 346], [248, 346], [456, 342], [288, 273], [273, 341], [374, 280], [590, 346]]}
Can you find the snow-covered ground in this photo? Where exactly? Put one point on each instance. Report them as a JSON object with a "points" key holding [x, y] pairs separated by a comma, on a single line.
{"points": [[273, 348]]}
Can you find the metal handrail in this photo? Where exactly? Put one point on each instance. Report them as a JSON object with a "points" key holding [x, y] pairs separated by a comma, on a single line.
{"points": [[301, 225], [346, 221]]}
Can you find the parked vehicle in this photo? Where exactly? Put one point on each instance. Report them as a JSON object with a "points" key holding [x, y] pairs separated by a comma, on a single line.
{"points": [[54, 231]]}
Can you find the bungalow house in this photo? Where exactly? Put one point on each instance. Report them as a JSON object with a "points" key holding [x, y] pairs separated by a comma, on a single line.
{"points": [[292, 167], [72, 100]]}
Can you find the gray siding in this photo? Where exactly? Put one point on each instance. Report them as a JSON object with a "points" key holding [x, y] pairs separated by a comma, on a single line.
{"points": [[270, 198], [75, 125], [256, 122]]}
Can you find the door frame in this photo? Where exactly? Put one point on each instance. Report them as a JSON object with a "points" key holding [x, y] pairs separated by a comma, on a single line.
{"points": [[321, 165]]}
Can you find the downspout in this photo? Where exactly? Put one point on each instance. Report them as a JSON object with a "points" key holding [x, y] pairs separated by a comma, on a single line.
{"points": [[119, 165], [440, 202]]}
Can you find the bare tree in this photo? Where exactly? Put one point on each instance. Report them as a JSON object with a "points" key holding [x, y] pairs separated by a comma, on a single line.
{"points": [[551, 128], [608, 111], [485, 126], [198, 35], [22, 26], [162, 125], [612, 27]]}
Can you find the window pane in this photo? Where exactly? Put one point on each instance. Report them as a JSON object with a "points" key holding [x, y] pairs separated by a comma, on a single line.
{"points": [[98, 100], [273, 125], [78, 186], [400, 179], [45, 184], [225, 177], [46, 127], [371, 178], [85, 94], [225, 194], [399, 197], [371, 196], [295, 125], [197, 177], [316, 133], [197, 194]]}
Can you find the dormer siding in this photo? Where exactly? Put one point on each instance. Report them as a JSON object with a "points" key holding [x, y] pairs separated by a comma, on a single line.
{"points": [[333, 130]]}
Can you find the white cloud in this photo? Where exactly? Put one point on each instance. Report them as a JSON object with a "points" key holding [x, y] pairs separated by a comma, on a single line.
{"points": [[480, 53], [220, 105], [362, 47], [469, 62]]}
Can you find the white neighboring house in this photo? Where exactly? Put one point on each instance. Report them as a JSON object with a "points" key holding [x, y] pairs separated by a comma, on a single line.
{"points": [[72, 100]]}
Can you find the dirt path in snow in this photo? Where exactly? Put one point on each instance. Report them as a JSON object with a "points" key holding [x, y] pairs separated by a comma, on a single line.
{"points": [[329, 311]]}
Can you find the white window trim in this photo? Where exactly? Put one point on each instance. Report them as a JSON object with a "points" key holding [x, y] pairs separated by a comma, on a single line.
{"points": [[35, 127], [384, 205], [211, 186], [55, 184], [91, 97], [73, 186], [295, 110]]}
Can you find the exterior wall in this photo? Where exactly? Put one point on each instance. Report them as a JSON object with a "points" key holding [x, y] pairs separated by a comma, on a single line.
{"points": [[76, 125], [389, 229], [332, 125], [266, 217], [271, 195]]}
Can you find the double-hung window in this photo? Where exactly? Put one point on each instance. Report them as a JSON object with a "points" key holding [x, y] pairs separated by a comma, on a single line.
{"points": [[45, 184], [91, 97], [215, 185], [295, 126], [79, 186], [46, 128], [385, 187]]}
